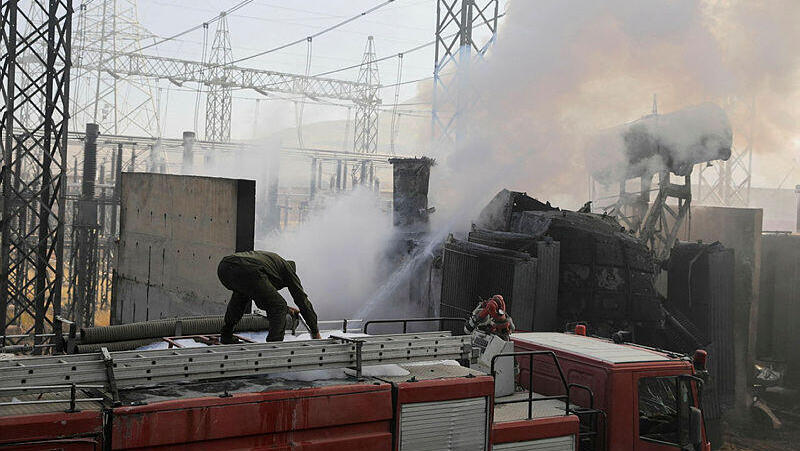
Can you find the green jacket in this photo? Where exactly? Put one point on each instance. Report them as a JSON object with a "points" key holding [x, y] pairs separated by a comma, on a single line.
{"points": [[282, 274]]}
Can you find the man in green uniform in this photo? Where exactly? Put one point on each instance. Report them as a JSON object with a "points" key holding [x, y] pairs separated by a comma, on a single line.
{"points": [[258, 275]]}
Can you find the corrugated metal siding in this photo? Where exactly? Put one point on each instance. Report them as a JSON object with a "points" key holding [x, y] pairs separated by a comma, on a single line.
{"points": [[471, 271], [522, 305], [459, 295], [701, 281], [566, 443], [459, 424], [545, 313], [779, 304], [720, 332], [515, 280]]}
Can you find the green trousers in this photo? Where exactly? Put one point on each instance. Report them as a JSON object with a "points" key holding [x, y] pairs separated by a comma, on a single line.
{"points": [[251, 282]]}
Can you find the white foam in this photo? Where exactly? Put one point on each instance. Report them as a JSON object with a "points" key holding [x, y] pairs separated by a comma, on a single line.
{"points": [[311, 375], [157, 345], [433, 362], [389, 370], [189, 343]]}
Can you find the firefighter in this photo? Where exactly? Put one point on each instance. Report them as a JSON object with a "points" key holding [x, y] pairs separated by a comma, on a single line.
{"points": [[490, 317], [258, 275]]}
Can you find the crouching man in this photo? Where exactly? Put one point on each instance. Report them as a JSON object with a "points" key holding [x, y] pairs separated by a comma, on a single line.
{"points": [[257, 276]]}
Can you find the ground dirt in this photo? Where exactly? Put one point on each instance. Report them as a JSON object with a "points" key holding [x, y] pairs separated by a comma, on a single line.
{"points": [[751, 431]]}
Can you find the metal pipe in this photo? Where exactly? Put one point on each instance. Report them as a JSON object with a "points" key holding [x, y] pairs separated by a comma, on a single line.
{"points": [[313, 187], [338, 175], [49, 387], [102, 205], [797, 192], [319, 174], [405, 321], [48, 401], [188, 151], [117, 163], [363, 175], [165, 328]]}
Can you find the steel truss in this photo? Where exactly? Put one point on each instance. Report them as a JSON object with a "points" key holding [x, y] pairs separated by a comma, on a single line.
{"points": [[465, 29], [218, 100], [115, 78], [658, 222], [34, 150], [180, 71], [727, 183], [366, 125], [119, 105]]}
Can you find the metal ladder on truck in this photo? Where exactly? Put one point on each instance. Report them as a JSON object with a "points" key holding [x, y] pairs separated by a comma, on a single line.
{"points": [[107, 372], [592, 428], [591, 435]]}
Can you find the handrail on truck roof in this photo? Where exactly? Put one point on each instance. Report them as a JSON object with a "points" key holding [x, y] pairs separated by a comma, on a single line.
{"points": [[565, 397], [405, 321], [531, 399]]}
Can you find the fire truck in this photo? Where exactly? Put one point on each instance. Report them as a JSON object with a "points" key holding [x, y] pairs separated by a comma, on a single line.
{"points": [[569, 391]]}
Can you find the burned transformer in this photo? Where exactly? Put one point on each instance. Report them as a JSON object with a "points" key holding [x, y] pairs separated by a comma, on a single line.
{"points": [[556, 268], [587, 268]]}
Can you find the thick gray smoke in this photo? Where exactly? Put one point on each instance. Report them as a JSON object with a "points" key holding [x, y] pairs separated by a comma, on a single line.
{"points": [[560, 71], [340, 252], [563, 69]]}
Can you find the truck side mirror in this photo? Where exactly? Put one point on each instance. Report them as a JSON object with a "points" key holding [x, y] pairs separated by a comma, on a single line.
{"points": [[696, 427]]}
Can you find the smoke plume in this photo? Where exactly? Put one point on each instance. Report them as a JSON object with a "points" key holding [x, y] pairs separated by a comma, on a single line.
{"points": [[563, 69], [339, 251], [560, 71]]}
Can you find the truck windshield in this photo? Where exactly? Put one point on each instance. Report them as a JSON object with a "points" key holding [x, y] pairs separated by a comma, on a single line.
{"points": [[664, 409]]}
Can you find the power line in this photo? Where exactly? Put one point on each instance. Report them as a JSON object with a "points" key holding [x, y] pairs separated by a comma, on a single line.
{"points": [[305, 39], [196, 27], [384, 58], [405, 52], [378, 60], [315, 35], [333, 27]]}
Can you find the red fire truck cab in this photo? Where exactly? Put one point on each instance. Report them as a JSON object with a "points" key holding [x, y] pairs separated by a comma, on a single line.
{"points": [[645, 399]]}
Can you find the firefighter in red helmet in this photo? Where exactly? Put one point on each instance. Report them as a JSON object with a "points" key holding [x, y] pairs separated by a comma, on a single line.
{"points": [[490, 317]]}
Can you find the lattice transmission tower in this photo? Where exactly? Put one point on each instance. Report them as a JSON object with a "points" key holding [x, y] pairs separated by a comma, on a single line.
{"points": [[727, 183], [218, 100], [103, 93], [366, 118], [33, 139], [465, 29]]}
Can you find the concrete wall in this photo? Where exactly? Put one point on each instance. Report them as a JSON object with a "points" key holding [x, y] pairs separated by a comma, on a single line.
{"points": [[174, 229], [779, 205], [739, 229]]}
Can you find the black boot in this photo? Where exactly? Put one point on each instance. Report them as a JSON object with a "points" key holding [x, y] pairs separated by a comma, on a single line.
{"points": [[226, 336]]}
